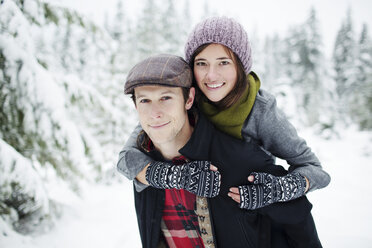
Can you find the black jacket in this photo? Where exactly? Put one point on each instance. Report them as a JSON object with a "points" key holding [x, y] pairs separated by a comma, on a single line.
{"points": [[232, 226]]}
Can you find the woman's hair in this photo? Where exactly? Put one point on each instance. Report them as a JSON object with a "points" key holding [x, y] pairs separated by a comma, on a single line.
{"points": [[241, 81]]}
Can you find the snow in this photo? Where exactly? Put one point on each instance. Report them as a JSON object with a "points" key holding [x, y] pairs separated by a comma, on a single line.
{"points": [[15, 168], [342, 210], [104, 215]]}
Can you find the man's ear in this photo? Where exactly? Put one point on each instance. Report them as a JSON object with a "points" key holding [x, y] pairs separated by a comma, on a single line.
{"points": [[190, 100]]}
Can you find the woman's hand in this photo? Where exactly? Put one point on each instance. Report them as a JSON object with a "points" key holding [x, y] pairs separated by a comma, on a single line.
{"points": [[265, 189], [234, 191]]}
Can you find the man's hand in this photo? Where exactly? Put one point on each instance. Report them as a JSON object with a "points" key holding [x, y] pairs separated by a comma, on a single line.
{"points": [[198, 177], [267, 189]]}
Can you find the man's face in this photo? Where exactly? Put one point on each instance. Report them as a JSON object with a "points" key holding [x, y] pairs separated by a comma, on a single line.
{"points": [[163, 112]]}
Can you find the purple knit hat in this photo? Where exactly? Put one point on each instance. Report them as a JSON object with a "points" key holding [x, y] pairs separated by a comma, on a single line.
{"points": [[222, 30]]}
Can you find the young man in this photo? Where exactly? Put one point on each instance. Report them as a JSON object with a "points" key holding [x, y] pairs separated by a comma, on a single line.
{"points": [[161, 90], [174, 211]]}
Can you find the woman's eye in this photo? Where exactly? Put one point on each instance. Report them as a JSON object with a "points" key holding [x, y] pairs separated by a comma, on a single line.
{"points": [[200, 63], [225, 62], [144, 101]]}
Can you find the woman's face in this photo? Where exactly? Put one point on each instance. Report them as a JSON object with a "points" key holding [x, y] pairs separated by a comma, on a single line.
{"points": [[215, 72]]}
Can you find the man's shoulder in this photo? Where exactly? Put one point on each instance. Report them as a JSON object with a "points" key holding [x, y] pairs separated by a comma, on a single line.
{"points": [[197, 145]]}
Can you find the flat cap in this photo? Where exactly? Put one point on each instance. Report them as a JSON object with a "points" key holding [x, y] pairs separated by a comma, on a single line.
{"points": [[164, 70]]}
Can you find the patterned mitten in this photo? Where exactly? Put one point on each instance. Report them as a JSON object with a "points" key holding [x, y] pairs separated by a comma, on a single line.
{"points": [[267, 189], [195, 177]]}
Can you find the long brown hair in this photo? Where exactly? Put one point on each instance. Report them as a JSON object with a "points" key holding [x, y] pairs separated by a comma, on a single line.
{"points": [[241, 81]]}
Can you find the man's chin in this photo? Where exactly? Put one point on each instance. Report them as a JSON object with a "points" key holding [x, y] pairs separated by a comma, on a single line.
{"points": [[159, 139]]}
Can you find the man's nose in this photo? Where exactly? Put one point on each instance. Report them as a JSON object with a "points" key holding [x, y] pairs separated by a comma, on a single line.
{"points": [[156, 110]]}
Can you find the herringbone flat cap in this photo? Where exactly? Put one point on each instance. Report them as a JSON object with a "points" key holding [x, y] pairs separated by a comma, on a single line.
{"points": [[164, 69]]}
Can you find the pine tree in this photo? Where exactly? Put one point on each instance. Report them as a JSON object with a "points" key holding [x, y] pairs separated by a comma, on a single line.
{"points": [[148, 31], [273, 60], [82, 48], [305, 67], [58, 121], [344, 59], [124, 57], [185, 24], [361, 104], [116, 29], [313, 70], [170, 26], [65, 52]]}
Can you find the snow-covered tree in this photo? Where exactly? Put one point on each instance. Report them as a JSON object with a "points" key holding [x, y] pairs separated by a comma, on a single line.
{"points": [[186, 24], [122, 31], [61, 122], [344, 59], [170, 28], [361, 103], [117, 27], [66, 58], [272, 72], [305, 68], [148, 31]]}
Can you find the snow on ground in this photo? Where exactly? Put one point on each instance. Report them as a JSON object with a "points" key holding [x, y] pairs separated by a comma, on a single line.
{"points": [[342, 211], [105, 217]]}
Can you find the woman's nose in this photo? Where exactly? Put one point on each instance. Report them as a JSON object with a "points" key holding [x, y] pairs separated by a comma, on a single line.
{"points": [[211, 74]]}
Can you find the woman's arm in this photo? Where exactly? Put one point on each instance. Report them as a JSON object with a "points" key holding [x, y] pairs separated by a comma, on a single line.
{"points": [[191, 176], [132, 161], [276, 134], [266, 189]]}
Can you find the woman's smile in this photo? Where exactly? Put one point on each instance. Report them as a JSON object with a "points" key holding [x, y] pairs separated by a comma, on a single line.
{"points": [[214, 86]]}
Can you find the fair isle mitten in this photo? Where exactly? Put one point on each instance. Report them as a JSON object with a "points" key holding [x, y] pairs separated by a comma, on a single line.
{"points": [[267, 189], [195, 177]]}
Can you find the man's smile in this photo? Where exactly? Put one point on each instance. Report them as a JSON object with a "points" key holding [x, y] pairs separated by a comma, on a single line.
{"points": [[159, 125]]}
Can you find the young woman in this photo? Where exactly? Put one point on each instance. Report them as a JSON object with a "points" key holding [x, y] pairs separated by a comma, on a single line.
{"points": [[219, 52], [229, 94]]}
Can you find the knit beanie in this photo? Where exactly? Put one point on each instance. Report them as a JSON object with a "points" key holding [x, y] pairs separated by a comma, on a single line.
{"points": [[222, 30]]}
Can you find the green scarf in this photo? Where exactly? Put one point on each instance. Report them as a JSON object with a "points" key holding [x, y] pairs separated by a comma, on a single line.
{"points": [[231, 120]]}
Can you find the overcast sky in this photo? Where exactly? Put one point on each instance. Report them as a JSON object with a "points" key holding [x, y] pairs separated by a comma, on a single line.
{"points": [[260, 17]]}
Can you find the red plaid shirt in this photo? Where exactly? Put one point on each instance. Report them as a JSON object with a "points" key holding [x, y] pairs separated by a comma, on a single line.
{"points": [[180, 223]]}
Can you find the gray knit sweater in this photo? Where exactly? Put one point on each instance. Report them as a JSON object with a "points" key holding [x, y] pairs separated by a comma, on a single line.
{"points": [[267, 126]]}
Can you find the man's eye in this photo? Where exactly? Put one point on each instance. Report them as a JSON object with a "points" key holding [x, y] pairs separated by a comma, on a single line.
{"points": [[144, 101], [164, 98]]}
